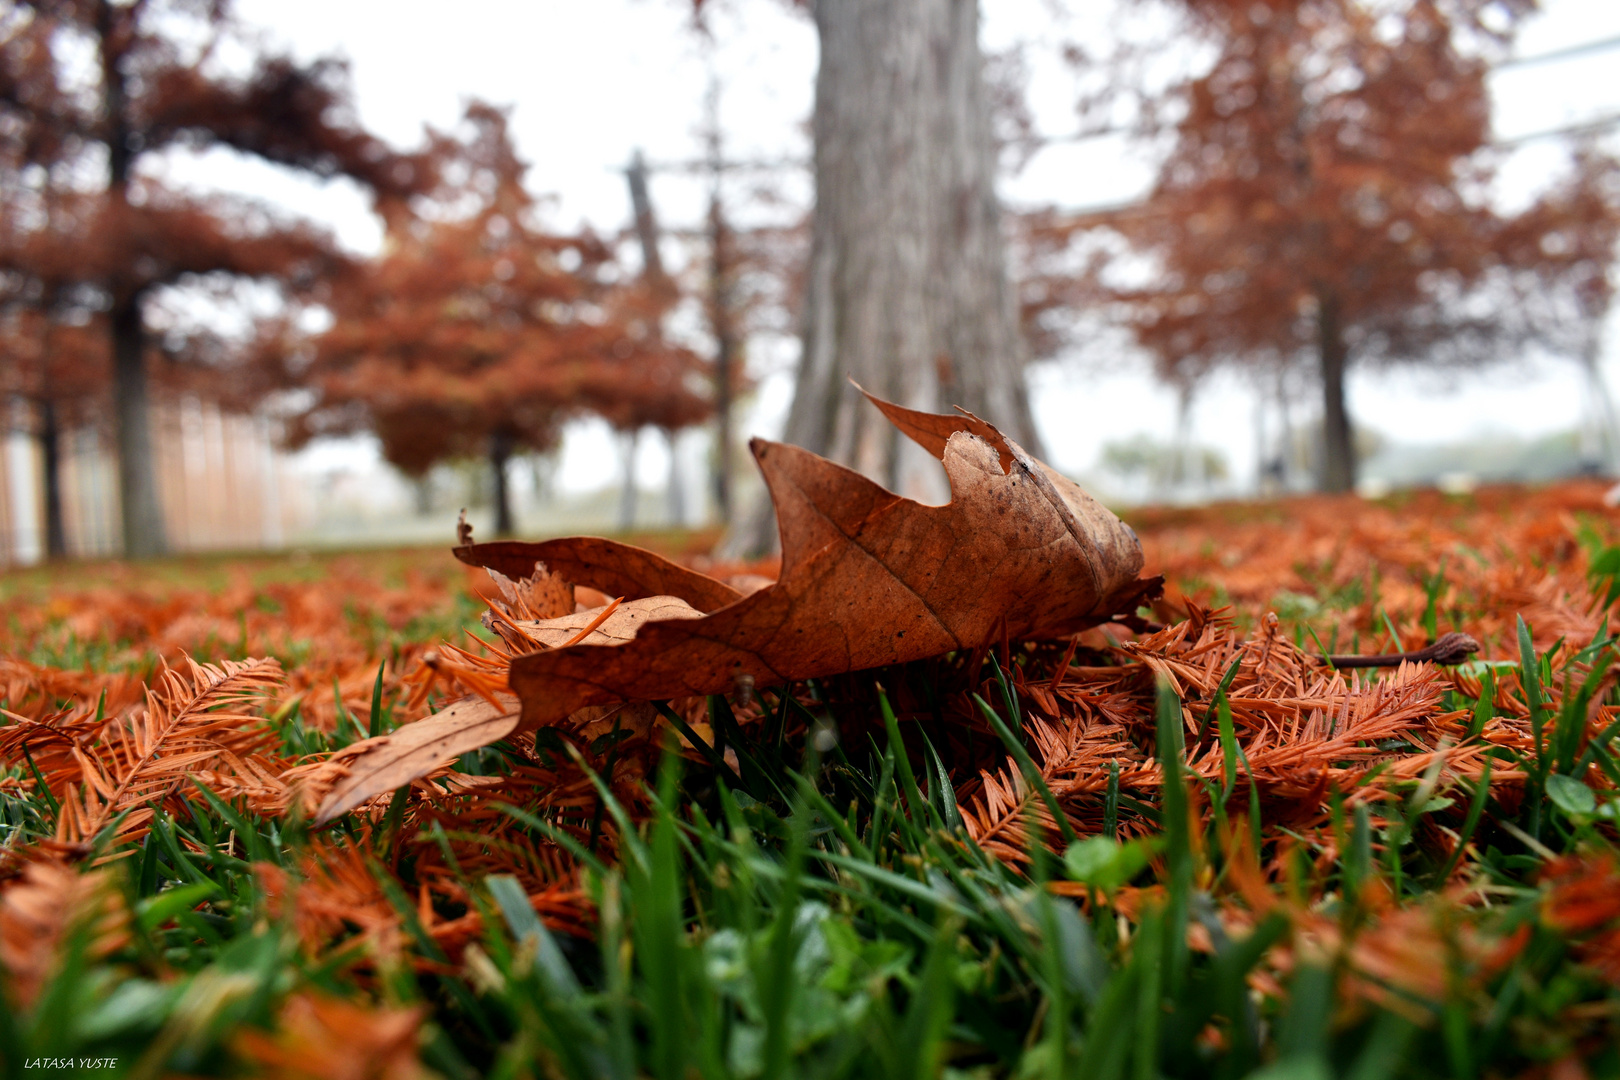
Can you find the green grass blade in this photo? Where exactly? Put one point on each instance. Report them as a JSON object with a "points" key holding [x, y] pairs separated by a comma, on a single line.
{"points": [[941, 780], [920, 810], [376, 723], [1476, 807], [709, 752]]}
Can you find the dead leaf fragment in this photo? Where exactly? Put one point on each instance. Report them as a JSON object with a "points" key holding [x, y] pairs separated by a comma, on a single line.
{"points": [[619, 627], [39, 910], [614, 568], [325, 1038], [539, 595], [390, 761]]}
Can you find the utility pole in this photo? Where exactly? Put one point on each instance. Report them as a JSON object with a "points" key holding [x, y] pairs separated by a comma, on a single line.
{"points": [[652, 271], [724, 261], [721, 268], [652, 264]]}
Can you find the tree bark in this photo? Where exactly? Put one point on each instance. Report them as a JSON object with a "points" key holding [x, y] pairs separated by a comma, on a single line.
{"points": [[629, 495], [1338, 446], [144, 535], [50, 453], [1600, 434], [907, 289], [500, 452], [675, 490]]}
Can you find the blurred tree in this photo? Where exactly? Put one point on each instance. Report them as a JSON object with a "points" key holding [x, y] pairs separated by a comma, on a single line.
{"points": [[1327, 198], [54, 326], [56, 368], [88, 88], [477, 332], [51, 334]]}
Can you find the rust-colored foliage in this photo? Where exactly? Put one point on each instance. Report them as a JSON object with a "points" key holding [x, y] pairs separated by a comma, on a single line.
{"points": [[1493, 555], [1316, 208], [40, 907], [478, 332], [1303, 730], [1583, 900], [325, 1038], [1087, 700], [117, 769], [88, 85], [329, 633], [87, 91]]}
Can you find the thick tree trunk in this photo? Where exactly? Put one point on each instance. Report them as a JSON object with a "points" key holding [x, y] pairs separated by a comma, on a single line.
{"points": [[675, 489], [422, 490], [907, 289], [50, 453], [137, 479], [628, 495], [1338, 446], [500, 452], [1599, 434]]}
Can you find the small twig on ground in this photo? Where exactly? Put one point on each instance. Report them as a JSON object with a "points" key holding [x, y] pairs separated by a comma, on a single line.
{"points": [[1451, 648]]}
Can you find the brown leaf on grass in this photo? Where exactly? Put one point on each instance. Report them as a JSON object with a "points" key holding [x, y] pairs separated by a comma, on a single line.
{"points": [[868, 579], [369, 768], [326, 1038], [39, 910], [614, 568]]}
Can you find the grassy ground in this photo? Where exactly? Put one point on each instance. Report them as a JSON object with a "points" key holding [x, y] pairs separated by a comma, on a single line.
{"points": [[1194, 853]]}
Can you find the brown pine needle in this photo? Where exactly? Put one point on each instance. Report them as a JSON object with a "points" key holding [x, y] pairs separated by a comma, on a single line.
{"points": [[593, 624]]}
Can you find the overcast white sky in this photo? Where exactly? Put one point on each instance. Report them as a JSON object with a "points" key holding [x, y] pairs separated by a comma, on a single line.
{"points": [[590, 81]]}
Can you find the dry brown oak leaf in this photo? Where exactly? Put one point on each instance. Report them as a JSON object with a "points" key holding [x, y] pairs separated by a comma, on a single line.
{"points": [[868, 579]]}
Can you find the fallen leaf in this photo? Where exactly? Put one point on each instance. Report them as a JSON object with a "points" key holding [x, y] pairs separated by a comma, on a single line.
{"points": [[619, 627], [325, 1038], [868, 579], [614, 568], [386, 762], [39, 909], [540, 595]]}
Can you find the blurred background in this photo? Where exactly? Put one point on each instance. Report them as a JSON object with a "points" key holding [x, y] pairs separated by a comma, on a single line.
{"points": [[282, 274]]}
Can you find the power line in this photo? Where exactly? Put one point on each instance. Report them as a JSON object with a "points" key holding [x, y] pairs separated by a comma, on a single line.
{"points": [[787, 163], [1601, 45], [708, 166], [1584, 127], [1104, 213], [712, 167]]}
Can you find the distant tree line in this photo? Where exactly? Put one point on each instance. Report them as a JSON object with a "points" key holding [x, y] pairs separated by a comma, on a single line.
{"points": [[1323, 205]]}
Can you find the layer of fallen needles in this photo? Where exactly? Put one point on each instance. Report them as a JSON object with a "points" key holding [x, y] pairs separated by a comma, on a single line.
{"points": [[1196, 850]]}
